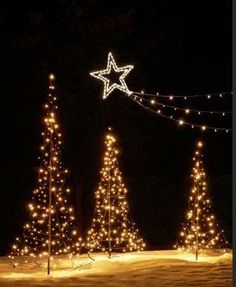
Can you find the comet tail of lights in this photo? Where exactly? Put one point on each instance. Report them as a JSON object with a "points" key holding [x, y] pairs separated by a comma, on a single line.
{"points": [[183, 115], [200, 230], [112, 230], [51, 228], [153, 103]]}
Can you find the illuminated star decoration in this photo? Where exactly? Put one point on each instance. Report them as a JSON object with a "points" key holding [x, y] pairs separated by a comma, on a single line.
{"points": [[152, 102], [104, 76]]}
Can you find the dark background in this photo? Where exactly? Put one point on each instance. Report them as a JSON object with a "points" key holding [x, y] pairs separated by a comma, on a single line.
{"points": [[181, 47]]}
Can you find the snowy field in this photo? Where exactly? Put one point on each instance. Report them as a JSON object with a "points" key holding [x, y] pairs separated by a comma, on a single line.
{"points": [[149, 268]]}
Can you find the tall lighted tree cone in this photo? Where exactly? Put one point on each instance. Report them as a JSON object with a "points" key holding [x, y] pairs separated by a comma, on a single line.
{"points": [[200, 230], [51, 228], [112, 229]]}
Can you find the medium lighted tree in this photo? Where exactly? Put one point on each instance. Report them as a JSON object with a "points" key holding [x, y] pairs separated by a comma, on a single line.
{"points": [[112, 230], [51, 228], [200, 230]]}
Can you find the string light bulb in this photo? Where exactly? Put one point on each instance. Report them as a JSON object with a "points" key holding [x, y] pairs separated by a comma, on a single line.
{"points": [[199, 144], [51, 77]]}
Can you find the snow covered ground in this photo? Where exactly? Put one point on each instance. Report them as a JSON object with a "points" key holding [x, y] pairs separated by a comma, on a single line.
{"points": [[149, 268]]}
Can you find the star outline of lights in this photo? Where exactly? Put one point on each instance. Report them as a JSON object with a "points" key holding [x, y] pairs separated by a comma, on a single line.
{"points": [[111, 64]]}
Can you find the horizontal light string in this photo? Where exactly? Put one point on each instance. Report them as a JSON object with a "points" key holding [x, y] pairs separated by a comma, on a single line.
{"points": [[172, 96], [181, 122], [186, 110]]}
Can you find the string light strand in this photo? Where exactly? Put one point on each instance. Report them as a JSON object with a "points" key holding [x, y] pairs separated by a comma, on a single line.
{"points": [[180, 122], [172, 96], [153, 102]]}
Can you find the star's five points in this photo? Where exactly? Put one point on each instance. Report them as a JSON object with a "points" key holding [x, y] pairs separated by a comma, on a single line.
{"points": [[105, 76]]}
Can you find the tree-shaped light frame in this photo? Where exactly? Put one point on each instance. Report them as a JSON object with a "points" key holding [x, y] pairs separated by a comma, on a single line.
{"points": [[200, 231], [112, 229], [51, 229]]}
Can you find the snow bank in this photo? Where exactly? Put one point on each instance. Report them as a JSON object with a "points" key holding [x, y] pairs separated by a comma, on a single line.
{"points": [[147, 268]]}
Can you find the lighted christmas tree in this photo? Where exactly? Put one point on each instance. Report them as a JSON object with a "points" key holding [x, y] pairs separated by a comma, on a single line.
{"points": [[200, 230], [112, 230], [51, 228]]}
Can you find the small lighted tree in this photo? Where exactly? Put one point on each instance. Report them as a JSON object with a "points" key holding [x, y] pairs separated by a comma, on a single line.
{"points": [[51, 229], [112, 230], [200, 230]]}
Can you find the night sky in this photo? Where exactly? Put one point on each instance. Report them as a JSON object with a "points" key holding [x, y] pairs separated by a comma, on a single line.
{"points": [[179, 47]]}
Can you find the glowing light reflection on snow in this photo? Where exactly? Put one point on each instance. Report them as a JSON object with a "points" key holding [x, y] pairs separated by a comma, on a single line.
{"points": [[118, 263]]}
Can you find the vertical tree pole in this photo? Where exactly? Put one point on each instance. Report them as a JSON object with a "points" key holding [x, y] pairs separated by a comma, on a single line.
{"points": [[197, 219], [50, 193], [196, 231], [109, 216], [50, 207]]}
